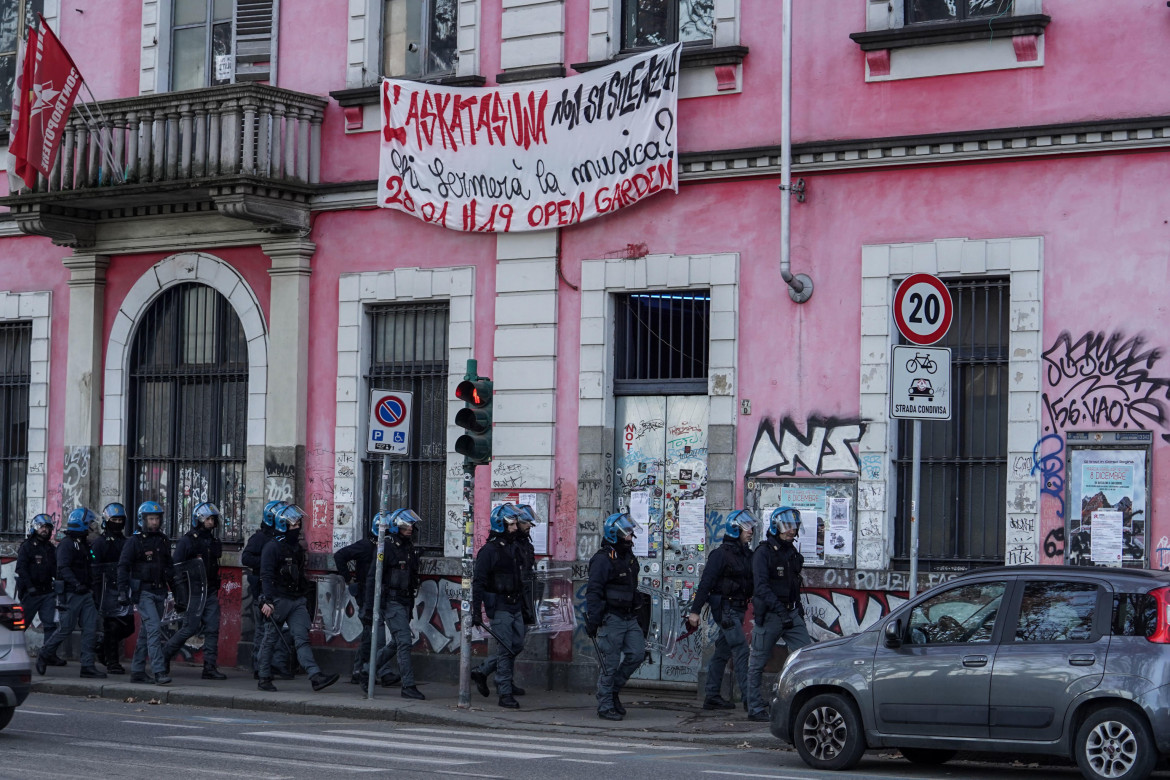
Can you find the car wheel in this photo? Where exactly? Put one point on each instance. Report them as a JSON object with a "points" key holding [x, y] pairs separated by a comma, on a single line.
{"points": [[927, 756], [828, 732], [6, 714], [1115, 743]]}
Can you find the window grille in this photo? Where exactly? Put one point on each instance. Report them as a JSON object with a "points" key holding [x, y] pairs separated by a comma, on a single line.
{"points": [[188, 409], [963, 506], [408, 352], [15, 343], [662, 344]]}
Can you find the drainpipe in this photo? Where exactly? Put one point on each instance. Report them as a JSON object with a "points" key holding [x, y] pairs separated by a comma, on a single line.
{"points": [[800, 286]]}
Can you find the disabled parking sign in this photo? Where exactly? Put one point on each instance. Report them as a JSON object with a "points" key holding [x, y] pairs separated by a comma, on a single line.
{"points": [[389, 432]]}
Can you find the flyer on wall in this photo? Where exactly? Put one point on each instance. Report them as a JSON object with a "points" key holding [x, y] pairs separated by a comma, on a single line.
{"points": [[812, 503], [1107, 486]]}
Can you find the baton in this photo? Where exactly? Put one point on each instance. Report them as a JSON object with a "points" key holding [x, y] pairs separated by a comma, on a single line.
{"points": [[280, 634], [500, 643], [600, 657]]}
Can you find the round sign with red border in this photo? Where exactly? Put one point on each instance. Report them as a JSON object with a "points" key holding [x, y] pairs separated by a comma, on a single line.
{"points": [[923, 309], [390, 410]]}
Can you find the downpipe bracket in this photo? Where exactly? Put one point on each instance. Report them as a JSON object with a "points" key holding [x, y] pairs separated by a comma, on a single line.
{"points": [[806, 290]]}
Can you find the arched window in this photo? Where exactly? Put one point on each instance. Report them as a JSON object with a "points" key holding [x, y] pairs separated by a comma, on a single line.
{"points": [[188, 408]]}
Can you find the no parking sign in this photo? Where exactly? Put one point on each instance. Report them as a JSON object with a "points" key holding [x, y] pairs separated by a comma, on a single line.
{"points": [[389, 432]]}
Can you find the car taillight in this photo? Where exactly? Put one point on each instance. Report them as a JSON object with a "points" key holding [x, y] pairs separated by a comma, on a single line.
{"points": [[12, 616], [1161, 633]]}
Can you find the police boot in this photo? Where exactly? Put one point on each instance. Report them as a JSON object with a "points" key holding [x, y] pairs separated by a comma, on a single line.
{"points": [[92, 671], [617, 705], [480, 680], [265, 684], [609, 714], [411, 692], [389, 680], [509, 701], [210, 672], [517, 690], [141, 677], [321, 681], [717, 702]]}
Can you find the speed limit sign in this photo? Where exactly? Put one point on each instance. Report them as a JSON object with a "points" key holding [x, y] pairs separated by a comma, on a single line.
{"points": [[923, 309]]}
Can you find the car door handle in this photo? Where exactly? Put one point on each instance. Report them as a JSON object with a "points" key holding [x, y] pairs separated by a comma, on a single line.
{"points": [[1082, 659], [974, 660]]}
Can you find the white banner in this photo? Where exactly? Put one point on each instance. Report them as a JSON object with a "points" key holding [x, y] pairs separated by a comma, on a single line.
{"points": [[508, 159]]}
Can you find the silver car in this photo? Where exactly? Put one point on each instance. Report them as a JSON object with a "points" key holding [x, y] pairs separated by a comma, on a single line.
{"points": [[1058, 660], [15, 668]]}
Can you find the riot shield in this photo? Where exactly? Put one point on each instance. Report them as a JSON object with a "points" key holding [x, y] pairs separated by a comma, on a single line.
{"points": [[551, 591], [332, 595], [191, 585], [105, 584], [662, 619]]}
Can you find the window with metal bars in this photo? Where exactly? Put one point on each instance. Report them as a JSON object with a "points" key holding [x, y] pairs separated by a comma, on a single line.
{"points": [[963, 506], [188, 409], [408, 352], [661, 343], [15, 343]]}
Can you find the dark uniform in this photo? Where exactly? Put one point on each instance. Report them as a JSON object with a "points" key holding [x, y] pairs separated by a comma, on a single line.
{"points": [[201, 543], [498, 585], [74, 559], [612, 602], [107, 549], [284, 586], [400, 581], [36, 567], [727, 586], [145, 573], [250, 559], [776, 567], [353, 563]]}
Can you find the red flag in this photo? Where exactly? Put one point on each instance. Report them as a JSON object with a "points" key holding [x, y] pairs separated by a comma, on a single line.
{"points": [[19, 168], [53, 86]]}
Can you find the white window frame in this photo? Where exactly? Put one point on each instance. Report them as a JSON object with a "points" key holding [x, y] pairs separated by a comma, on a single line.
{"points": [[364, 53], [37, 308], [605, 27]]}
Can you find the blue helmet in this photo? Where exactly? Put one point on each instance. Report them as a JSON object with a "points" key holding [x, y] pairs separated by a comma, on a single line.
{"points": [[113, 513], [149, 508], [203, 511], [737, 521], [504, 514], [783, 519], [288, 515], [80, 520], [270, 510], [38, 521], [398, 519], [619, 524]]}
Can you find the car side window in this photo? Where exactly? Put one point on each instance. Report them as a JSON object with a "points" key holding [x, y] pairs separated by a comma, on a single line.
{"points": [[965, 614], [1057, 611]]}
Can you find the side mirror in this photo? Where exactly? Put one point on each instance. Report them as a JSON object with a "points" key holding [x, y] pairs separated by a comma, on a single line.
{"points": [[893, 632]]}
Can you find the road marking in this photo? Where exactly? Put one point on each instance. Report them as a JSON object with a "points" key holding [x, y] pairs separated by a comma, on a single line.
{"points": [[230, 721], [466, 774], [121, 747], [224, 754], [585, 761], [22, 711], [386, 744], [160, 723], [745, 774], [519, 742], [253, 744], [571, 740]]}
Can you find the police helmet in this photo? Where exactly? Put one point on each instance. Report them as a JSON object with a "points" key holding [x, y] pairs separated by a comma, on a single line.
{"points": [[80, 520], [619, 524], [288, 515], [737, 522], [113, 513], [526, 515], [783, 519], [270, 510], [38, 521], [396, 520], [203, 511], [149, 508], [502, 515]]}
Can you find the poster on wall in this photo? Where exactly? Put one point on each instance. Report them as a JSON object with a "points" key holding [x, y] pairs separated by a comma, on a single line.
{"points": [[539, 504], [812, 502], [840, 531], [1108, 504]]}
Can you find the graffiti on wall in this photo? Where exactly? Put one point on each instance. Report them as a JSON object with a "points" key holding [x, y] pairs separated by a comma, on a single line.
{"points": [[827, 447], [836, 613], [435, 626], [74, 477]]}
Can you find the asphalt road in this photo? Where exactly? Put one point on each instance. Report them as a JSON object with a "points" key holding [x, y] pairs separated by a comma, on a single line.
{"points": [[61, 738]]}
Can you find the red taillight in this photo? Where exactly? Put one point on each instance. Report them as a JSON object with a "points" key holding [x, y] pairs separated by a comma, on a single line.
{"points": [[1161, 633], [12, 616]]}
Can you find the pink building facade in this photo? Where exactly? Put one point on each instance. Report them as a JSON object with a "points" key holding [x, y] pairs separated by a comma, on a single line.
{"points": [[204, 331]]}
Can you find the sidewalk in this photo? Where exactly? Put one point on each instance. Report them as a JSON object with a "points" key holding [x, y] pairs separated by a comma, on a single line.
{"points": [[652, 714]]}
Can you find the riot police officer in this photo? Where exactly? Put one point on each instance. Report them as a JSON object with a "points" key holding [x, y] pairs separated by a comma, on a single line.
{"points": [[400, 580], [776, 567], [498, 585], [74, 558], [353, 564], [145, 573], [107, 550], [250, 559], [525, 520], [727, 585], [283, 597], [36, 567], [201, 543], [612, 602]]}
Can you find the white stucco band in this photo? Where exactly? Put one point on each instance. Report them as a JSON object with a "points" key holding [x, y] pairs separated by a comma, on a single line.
{"points": [[355, 292], [35, 308], [1021, 260], [173, 270]]}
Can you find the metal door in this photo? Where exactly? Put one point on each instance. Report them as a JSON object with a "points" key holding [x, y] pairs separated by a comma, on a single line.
{"points": [[661, 451]]}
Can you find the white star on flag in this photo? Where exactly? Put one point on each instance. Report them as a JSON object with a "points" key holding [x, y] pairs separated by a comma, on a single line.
{"points": [[45, 95]]}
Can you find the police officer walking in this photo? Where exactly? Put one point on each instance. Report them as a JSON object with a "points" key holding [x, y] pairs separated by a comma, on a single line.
{"points": [[353, 563], [400, 580], [283, 598], [201, 543], [145, 572], [107, 550], [727, 585], [36, 567], [498, 584], [250, 559], [612, 602], [776, 567], [73, 569]]}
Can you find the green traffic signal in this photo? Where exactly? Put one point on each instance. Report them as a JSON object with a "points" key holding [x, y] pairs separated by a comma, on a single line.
{"points": [[476, 418]]}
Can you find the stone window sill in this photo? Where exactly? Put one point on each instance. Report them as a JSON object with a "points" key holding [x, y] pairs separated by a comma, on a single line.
{"points": [[951, 32], [363, 96], [696, 57]]}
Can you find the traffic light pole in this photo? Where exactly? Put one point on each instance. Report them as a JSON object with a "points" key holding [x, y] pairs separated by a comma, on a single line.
{"points": [[465, 596], [476, 448], [376, 612]]}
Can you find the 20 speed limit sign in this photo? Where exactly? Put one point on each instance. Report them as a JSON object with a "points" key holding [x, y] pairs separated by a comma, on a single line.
{"points": [[923, 309]]}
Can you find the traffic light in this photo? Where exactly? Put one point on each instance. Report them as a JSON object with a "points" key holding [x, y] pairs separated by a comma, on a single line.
{"points": [[476, 418]]}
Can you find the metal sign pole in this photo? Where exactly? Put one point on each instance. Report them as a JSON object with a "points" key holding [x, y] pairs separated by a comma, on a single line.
{"points": [[915, 484], [465, 596], [376, 613]]}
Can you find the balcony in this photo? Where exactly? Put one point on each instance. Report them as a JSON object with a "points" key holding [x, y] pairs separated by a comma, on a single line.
{"points": [[247, 151]]}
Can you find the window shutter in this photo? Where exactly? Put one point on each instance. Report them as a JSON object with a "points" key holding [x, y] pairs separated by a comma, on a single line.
{"points": [[256, 39]]}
